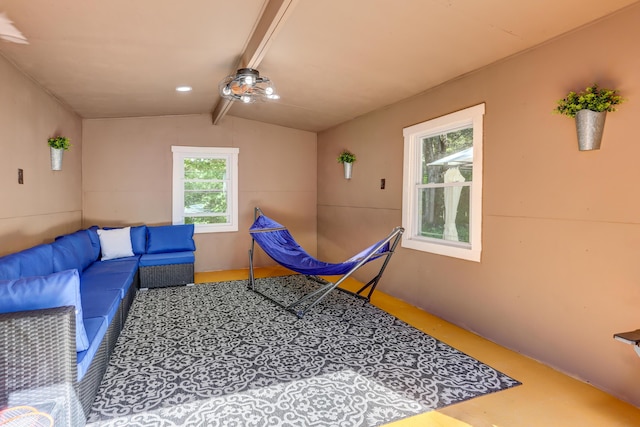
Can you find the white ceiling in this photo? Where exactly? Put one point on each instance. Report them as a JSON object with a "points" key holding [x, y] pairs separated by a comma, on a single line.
{"points": [[331, 60]]}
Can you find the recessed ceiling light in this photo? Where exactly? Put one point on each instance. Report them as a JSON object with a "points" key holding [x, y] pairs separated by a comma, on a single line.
{"points": [[184, 89]]}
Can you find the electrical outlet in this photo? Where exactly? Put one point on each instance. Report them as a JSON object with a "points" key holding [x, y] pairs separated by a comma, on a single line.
{"points": [[20, 176], [383, 182]]}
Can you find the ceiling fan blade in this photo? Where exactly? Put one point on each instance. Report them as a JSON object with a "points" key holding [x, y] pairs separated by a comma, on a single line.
{"points": [[9, 32]]}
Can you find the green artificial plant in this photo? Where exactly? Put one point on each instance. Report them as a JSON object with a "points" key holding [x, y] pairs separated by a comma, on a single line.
{"points": [[592, 98], [59, 142], [346, 157]]}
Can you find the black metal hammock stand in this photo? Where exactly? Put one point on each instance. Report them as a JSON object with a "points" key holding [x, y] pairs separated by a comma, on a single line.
{"points": [[279, 244]]}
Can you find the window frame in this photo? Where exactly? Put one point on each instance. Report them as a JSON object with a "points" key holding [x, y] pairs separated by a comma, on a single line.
{"points": [[230, 154], [413, 136]]}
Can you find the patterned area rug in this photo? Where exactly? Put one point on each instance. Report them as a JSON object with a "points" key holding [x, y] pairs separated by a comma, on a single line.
{"points": [[219, 354]]}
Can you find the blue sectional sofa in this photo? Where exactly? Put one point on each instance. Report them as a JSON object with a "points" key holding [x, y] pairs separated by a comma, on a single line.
{"points": [[63, 305]]}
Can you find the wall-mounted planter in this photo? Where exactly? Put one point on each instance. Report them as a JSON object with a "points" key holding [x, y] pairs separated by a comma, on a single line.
{"points": [[589, 108], [57, 145], [56, 158], [347, 158], [590, 126], [347, 170]]}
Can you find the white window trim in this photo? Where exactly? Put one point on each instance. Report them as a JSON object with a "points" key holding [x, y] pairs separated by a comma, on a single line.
{"points": [[413, 136], [182, 152]]}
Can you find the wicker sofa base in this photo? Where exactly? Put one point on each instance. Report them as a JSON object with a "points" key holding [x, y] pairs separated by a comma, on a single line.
{"points": [[162, 276], [88, 388]]}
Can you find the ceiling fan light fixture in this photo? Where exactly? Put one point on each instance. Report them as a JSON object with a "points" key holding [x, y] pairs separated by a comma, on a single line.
{"points": [[247, 86]]}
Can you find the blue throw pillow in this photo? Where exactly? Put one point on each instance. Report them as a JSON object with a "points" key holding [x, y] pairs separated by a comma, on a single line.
{"points": [[170, 238], [39, 292]]}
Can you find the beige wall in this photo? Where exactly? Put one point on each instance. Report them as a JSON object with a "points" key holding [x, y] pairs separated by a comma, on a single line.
{"points": [[49, 202], [128, 169], [561, 234]]}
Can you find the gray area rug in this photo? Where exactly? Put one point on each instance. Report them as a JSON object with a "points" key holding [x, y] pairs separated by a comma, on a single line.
{"points": [[220, 355]]}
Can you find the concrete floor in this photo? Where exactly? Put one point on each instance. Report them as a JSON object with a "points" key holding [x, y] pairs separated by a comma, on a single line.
{"points": [[545, 398]]}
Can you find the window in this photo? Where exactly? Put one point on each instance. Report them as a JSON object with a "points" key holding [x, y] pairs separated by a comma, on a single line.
{"points": [[442, 185], [205, 188]]}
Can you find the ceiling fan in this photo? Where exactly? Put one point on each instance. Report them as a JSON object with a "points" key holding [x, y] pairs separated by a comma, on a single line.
{"points": [[9, 32]]}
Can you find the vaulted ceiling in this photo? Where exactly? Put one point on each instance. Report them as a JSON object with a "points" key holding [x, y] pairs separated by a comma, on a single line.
{"points": [[331, 60]]}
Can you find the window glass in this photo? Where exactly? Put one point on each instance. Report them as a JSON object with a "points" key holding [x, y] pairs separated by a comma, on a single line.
{"points": [[205, 188], [446, 174], [197, 168], [438, 222]]}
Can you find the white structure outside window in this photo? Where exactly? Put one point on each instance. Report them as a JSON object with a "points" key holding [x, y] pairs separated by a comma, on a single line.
{"points": [[205, 188], [442, 185]]}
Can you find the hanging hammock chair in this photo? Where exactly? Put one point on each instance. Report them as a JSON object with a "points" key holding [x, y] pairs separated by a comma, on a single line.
{"points": [[279, 244]]}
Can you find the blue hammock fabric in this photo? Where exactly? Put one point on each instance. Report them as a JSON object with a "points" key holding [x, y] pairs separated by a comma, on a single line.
{"points": [[279, 244]]}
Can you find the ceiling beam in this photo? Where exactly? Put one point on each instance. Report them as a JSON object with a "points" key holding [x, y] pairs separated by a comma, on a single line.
{"points": [[272, 19]]}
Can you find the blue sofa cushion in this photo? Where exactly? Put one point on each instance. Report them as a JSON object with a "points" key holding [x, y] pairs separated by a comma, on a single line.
{"points": [[139, 239], [10, 267], [100, 303], [95, 240], [114, 274], [127, 265], [73, 251], [96, 328], [36, 261], [170, 238], [150, 260], [64, 256], [39, 292]]}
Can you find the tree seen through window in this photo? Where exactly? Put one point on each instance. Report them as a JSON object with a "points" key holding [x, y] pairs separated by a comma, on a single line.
{"points": [[205, 191]]}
